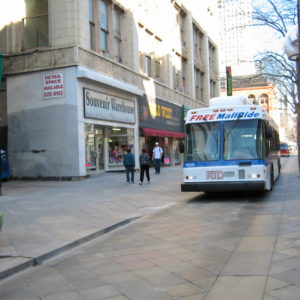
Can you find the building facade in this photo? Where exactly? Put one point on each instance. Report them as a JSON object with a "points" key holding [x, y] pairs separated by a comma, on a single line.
{"points": [[87, 79], [259, 91], [236, 37]]}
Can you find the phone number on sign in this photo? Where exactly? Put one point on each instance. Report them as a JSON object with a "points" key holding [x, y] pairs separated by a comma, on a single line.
{"points": [[53, 94]]}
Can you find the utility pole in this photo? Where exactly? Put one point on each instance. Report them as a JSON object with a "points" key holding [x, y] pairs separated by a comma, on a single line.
{"points": [[292, 49], [228, 81]]}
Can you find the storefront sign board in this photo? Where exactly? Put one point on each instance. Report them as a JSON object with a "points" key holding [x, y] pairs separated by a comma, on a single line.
{"points": [[160, 115], [107, 107]]}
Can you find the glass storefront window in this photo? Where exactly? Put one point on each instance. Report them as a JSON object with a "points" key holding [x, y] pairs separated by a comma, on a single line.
{"points": [[119, 140], [166, 148], [176, 152], [94, 147]]}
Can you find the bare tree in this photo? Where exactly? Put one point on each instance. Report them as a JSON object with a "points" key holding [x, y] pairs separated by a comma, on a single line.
{"points": [[279, 16]]}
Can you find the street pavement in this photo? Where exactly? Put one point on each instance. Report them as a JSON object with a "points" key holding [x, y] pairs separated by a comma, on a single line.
{"points": [[44, 218], [178, 246]]}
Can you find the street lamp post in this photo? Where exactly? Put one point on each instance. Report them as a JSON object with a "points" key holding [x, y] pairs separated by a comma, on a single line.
{"points": [[1, 65], [292, 49]]}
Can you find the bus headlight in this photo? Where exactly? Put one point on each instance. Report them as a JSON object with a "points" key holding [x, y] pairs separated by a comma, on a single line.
{"points": [[255, 176], [190, 177]]}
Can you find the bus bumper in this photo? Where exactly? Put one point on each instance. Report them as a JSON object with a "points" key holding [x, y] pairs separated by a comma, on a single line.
{"points": [[223, 186]]}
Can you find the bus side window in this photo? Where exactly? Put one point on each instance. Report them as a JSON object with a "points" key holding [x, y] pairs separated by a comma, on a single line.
{"points": [[268, 134]]}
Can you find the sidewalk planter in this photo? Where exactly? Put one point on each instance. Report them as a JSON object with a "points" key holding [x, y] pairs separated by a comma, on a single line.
{"points": [[1, 220]]}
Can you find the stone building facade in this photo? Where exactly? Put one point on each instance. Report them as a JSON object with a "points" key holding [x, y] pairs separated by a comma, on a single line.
{"points": [[84, 80]]}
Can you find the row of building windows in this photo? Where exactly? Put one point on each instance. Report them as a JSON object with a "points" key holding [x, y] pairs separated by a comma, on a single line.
{"points": [[106, 21], [262, 99]]}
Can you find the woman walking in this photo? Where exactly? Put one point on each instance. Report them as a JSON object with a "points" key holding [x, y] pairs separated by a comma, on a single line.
{"points": [[144, 165]]}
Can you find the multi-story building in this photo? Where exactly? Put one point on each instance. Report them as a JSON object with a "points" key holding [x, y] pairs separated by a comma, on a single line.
{"points": [[259, 91], [236, 37], [87, 79]]}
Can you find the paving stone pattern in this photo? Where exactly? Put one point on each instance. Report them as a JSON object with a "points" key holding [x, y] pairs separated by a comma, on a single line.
{"points": [[212, 247]]}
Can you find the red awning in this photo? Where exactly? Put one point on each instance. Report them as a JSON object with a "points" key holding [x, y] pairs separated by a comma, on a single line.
{"points": [[162, 133]]}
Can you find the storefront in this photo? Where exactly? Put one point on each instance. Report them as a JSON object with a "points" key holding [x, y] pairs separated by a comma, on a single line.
{"points": [[109, 130], [161, 121]]}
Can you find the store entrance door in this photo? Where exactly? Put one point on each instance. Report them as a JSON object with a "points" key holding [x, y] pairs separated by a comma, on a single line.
{"points": [[94, 148], [99, 148]]}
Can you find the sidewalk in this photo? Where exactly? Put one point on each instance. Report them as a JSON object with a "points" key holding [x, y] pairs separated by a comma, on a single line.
{"points": [[44, 218]]}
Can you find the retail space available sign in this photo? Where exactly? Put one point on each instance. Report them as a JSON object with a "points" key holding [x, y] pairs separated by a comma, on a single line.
{"points": [[53, 85], [106, 107]]}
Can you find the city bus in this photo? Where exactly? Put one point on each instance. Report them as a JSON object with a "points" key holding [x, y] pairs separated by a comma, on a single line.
{"points": [[233, 145]]}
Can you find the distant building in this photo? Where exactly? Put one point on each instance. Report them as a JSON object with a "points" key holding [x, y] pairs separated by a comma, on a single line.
{"points": [[236, 37], [260, 91], [86, 80]]}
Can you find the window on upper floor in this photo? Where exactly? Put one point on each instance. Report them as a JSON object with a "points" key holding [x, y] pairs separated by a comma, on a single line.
{"points": [[151, 66], [117, 16], [212, 90], [157, 69], [103, 12], [198, 42], [183, 72], [35, 24], [252, 98], [148, 65], [264, 98], [212, 53], [198, 83], [105, 19], [181, 20], [92, 25]]}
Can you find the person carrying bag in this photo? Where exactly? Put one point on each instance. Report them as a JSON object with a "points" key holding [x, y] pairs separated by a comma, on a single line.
{"points": [[145, 163]]}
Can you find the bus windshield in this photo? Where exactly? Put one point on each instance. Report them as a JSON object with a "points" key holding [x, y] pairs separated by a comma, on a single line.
{"points": [[242, 140], [203, 142]]}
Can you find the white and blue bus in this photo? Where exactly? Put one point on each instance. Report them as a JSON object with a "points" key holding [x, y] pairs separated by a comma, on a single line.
{"points": [[232, 145]]}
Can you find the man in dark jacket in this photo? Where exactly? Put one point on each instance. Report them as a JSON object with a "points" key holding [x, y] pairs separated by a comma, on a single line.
{"points": [[129, 163]]}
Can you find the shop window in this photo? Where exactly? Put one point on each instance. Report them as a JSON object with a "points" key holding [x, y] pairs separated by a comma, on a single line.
{"points": [[119, 140], [35, 24], [176, 152]]}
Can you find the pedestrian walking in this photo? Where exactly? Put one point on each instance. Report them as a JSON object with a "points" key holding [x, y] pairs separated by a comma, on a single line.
{"points": [[157, 154], [144, 165], [129, 163]]}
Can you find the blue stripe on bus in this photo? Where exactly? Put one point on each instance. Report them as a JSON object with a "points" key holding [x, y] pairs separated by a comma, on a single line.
{"points": [[224, 163]]}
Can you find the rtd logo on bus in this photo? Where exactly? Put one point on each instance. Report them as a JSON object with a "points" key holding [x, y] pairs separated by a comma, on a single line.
{"points": [[224, 116], [214, 175]]}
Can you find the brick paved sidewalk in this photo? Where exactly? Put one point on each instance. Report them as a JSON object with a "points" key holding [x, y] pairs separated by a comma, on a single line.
{"points": [[42, 218]]}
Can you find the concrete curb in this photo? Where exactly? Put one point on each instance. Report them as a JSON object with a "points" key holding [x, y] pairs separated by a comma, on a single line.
{"points": [[32, 262]]}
